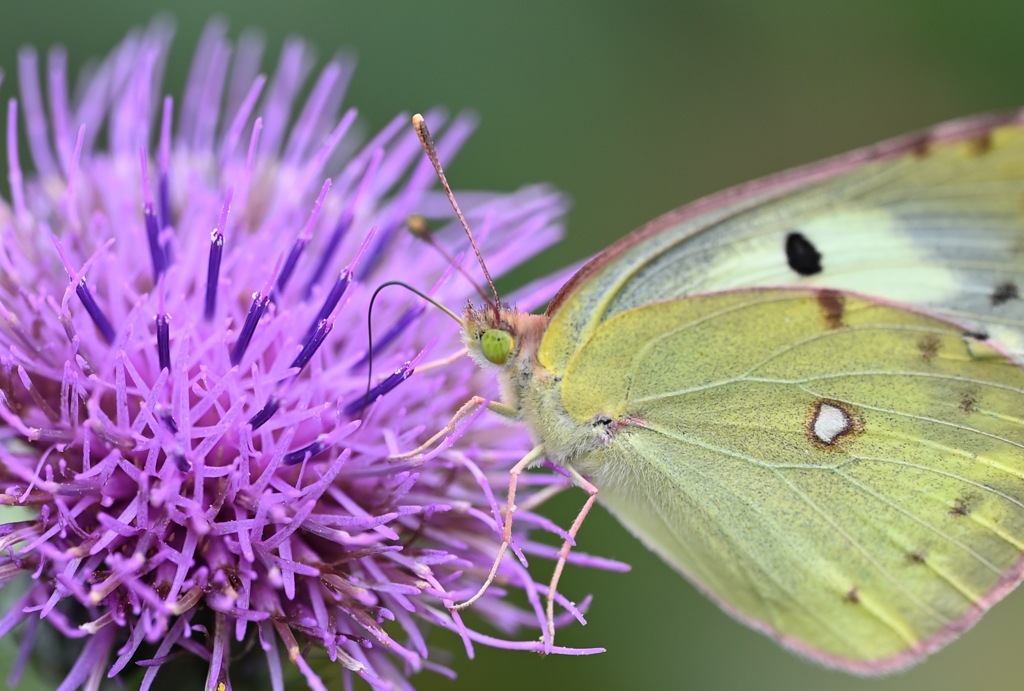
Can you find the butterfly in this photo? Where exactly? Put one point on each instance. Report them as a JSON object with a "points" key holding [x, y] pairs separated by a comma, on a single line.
{"points": [[804, 393]]}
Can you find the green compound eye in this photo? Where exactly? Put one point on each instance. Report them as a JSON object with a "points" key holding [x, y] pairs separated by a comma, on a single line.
{"points": [[496, 345]]}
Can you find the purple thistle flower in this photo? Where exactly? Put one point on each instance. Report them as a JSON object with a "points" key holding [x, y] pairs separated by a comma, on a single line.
{"points": [[183, 403]]}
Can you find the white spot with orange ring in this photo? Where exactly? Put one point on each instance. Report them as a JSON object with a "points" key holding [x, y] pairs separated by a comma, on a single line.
{"points": [[830, 422]]}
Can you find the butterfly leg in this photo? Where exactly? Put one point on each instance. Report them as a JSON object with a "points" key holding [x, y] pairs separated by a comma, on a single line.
{"points": [[467, 408], [443, 362], [563, 554], [506, 533]]}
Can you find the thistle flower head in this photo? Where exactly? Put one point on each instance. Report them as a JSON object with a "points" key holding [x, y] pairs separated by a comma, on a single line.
{"points": [[184, 413]]}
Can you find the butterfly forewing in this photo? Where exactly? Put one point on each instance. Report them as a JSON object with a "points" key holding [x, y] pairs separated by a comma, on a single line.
{"points": [[934, 220]]}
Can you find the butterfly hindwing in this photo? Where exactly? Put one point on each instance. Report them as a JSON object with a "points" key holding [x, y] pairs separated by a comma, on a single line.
{"points": [[844, 474]]}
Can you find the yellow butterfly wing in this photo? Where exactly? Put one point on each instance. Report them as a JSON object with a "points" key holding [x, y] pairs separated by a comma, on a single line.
{"points": [[866, 553], [845, 475], [934, 220]]}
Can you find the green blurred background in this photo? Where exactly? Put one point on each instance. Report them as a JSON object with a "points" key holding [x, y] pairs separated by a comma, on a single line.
{"points": [[634, 109]]}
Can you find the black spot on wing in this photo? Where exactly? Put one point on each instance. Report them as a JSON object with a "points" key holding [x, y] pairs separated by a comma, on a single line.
{"points": [[929, 346], [922, 148], [968, 402], [916, 557], [979, 145], [802, 256], [1004, 292], [960, 508]]}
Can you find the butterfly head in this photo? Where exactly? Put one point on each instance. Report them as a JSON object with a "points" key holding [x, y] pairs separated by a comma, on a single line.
{"points": [[489, 335], [497, 337]]}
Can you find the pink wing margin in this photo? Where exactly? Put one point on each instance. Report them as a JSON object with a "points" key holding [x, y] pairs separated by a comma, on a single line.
{"points": [[1007, 583], [779, 184]]}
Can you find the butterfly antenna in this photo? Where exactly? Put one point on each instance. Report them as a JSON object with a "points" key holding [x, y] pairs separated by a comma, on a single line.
{"points": [[369, 325], [420, 125], [417, 225]]}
